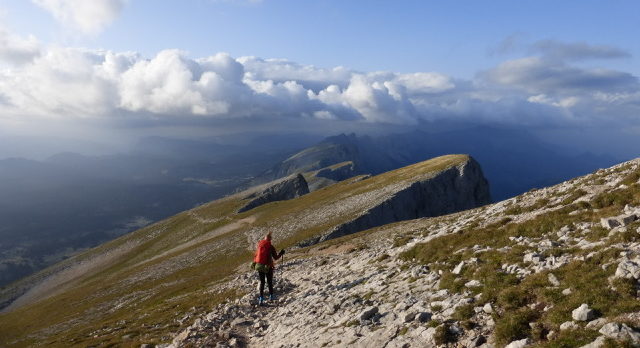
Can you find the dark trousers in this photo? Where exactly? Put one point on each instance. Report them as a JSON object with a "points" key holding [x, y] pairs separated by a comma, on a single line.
{"points": [[269, 276]]}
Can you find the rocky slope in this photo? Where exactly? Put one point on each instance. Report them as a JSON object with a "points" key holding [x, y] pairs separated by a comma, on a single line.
{"points": [[328, 176], [146, 286], [513, 160], [288, 188], [454, 189], [555, 267], [331, 151]]}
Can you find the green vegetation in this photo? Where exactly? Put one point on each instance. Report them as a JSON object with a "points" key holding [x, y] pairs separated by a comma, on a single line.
{"points": [[520, 301], [436, 308], [631, 179], [464, 312], [140, 284], [433, 323], [368, 295], [514, 325], [618, 198], [452, 282], [401, 240], [573, 338], [443, 335], [575, 194], [351, 323], [517, 209]]}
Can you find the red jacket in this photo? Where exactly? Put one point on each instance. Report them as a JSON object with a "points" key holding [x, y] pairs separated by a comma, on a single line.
{"points": [[265, 253]]}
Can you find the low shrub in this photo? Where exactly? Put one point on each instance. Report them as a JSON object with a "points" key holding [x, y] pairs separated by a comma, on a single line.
{"points": [[514, 325], [463, 312], [443, 335]]}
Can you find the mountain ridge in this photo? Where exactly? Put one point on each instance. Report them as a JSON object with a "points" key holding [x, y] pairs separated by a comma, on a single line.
{"points": [[553, 267], [146, 277], [514, 160]]}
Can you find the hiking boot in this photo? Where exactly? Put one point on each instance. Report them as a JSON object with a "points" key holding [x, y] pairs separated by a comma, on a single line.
{"points": [[272, 297], [260, 300]]}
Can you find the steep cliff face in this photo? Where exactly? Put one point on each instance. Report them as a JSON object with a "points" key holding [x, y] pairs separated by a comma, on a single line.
{"points": [[339, 172], [291, 187], [330, 175], [456, 188]]}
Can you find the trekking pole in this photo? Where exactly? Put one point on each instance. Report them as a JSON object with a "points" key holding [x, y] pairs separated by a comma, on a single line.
{"points": [[282, 271]]}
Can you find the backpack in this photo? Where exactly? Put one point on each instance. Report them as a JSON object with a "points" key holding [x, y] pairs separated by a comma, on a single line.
{"points": [[262, 260]]}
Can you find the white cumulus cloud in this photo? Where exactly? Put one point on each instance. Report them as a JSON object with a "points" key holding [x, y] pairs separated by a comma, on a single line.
{"points": [[88, 16], [17, 50]]}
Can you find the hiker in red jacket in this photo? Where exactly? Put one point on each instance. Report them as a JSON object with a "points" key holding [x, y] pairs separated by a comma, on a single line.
{"points": [[263, 263]]}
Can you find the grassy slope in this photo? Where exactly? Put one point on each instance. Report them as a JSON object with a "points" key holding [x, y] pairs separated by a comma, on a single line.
{"points": [[172, 268], [519, 301]]}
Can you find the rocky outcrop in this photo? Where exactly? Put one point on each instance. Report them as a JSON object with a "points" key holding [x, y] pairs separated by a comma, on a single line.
{"points": [[329, 152], [288, 188], [630, 215], [620, 332], [338, 172], [330, 175], [583, 313], [629, 269], [454, 189]]}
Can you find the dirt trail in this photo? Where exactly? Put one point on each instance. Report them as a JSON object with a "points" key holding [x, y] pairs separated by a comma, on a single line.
{"points": [[64, 279], [208, 235]]}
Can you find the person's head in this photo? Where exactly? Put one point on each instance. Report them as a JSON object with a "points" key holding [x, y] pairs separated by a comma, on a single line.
{"points": [[268, 236]]}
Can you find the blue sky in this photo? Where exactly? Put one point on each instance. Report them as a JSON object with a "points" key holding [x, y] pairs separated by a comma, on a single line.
{"points": [[107, 69], [453, 37]]}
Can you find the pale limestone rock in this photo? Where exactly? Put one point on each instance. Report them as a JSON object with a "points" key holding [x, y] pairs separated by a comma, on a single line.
{"points": [[533, 257], [583, 313], [628, 269], [597, 343], [596, 324], [569, 325], [609, 223], [473, 284], [620, 332], [458, 268], [519, 343], [620, 220]]}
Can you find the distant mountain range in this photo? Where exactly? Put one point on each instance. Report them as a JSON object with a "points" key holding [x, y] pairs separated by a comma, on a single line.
{"points": [[54, 208], [514, 161]]}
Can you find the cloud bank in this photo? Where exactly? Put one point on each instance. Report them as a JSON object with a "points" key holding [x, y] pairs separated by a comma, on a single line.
{"points": [[547, 89], [577, 51]]}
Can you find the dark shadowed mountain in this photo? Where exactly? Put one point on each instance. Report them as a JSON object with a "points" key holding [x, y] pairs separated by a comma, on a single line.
{"points": [[514, 160]]}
